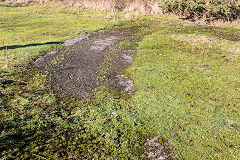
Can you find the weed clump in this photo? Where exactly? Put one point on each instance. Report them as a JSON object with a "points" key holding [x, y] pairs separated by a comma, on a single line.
{"points": [[207, 9]]}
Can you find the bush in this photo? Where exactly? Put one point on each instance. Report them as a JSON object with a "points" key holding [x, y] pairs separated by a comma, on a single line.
{"points": [[208, 9]]}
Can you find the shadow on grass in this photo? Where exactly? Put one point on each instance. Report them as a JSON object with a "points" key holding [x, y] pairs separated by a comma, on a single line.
{"points": [[12, 4], [27, 45]]}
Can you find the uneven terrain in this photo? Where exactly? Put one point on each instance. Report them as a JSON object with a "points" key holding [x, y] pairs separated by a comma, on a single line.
{"points": [[75, 85]]}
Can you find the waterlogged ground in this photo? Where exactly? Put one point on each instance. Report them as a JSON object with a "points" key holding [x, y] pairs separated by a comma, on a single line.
{"points": [[185, 104]]}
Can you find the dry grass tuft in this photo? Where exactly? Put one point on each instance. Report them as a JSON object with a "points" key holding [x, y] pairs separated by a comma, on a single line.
{"points": [[142, 6]]}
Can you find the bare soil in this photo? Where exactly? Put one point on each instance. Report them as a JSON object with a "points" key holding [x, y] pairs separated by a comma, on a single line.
{"points": [[89, 61]]}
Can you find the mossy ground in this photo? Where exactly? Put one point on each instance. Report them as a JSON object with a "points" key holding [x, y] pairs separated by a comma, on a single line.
{"points": [[187, 80], [188, 83]]}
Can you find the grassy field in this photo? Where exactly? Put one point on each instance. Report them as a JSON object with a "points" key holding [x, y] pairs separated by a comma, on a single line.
{"points": [[188, 84], [186, 75], [26, 31]]}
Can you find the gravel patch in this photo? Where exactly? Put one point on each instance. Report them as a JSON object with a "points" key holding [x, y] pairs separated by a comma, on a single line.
{"points": [[126, 83], [156, 149], [101, 45]]}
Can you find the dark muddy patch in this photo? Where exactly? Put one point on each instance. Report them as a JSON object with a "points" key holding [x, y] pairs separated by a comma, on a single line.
{"points": [[46, 59], [89, 61]]}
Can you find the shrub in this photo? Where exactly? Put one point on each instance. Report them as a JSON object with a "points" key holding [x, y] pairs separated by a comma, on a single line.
{"points": [[208, 9]]}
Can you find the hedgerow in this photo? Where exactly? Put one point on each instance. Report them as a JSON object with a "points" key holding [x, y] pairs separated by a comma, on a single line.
{"points": [[193, 9], [207, 9]]}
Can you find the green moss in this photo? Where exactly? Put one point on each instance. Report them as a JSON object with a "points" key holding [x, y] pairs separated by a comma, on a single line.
{"points": [[188, 96], [230, 34], [126, 44]]}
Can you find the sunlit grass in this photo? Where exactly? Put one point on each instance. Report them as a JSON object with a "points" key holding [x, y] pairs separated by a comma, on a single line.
{"points": [[29, 30], [186, 76], [190, 93]]}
